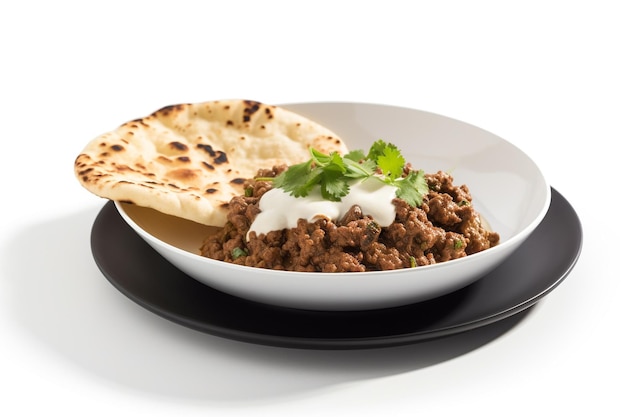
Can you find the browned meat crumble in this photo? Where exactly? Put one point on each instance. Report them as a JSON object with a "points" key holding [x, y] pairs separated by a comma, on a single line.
{"points": [[446, 226]]}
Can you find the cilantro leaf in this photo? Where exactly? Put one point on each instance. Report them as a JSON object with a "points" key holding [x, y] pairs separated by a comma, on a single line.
{"points": [[377, 149], [333, 187], [299, 179], [391, 162], [356, 155], [412, 188]]}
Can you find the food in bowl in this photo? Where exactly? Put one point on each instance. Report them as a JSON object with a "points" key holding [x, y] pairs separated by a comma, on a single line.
{"points": [[353, 213]]}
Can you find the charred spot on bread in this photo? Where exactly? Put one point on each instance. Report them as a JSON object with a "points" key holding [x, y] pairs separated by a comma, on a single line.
{"points": [[207, 148], [167, 110], [178, 146], [221, 158]]}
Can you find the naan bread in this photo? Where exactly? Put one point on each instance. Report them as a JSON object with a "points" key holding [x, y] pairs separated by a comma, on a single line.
{"points": [[189, 160]]}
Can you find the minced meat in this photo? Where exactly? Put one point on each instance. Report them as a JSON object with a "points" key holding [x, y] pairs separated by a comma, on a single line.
{"points": [[445, 227]]}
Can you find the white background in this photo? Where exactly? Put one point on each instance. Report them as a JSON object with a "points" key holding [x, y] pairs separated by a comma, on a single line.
{"points": [[549, 76]]}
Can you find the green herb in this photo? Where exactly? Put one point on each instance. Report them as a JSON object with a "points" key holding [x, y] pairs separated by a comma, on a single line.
{"points": [[412, 188], [333, 173], [458, 244], [373, 227], [238, 252]]}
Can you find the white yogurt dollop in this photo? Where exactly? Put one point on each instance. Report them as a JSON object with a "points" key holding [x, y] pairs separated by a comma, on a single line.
{"points": [[279, 210]]}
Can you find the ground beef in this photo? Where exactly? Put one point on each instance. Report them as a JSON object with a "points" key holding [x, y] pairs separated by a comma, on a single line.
{"points": [[445, 227]]}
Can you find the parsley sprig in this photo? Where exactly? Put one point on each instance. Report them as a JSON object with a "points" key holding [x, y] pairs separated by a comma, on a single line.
{"points": [[333, 173]]}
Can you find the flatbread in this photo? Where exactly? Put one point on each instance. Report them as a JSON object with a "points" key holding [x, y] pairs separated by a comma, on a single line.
{"points": [[189, 160]]}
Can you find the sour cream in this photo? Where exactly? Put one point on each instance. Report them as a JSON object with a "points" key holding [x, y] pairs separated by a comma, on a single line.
{"points": [[279, 210]]}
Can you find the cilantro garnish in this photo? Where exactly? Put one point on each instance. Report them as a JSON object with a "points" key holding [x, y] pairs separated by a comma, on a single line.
{"points": [[333, 173], [238, 252]]}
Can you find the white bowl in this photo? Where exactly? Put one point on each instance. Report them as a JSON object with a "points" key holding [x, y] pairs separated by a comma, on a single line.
{"points": [[508, 190]]}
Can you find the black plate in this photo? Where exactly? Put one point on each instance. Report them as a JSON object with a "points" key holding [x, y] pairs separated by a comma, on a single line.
{"points": [[535, 269]]}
